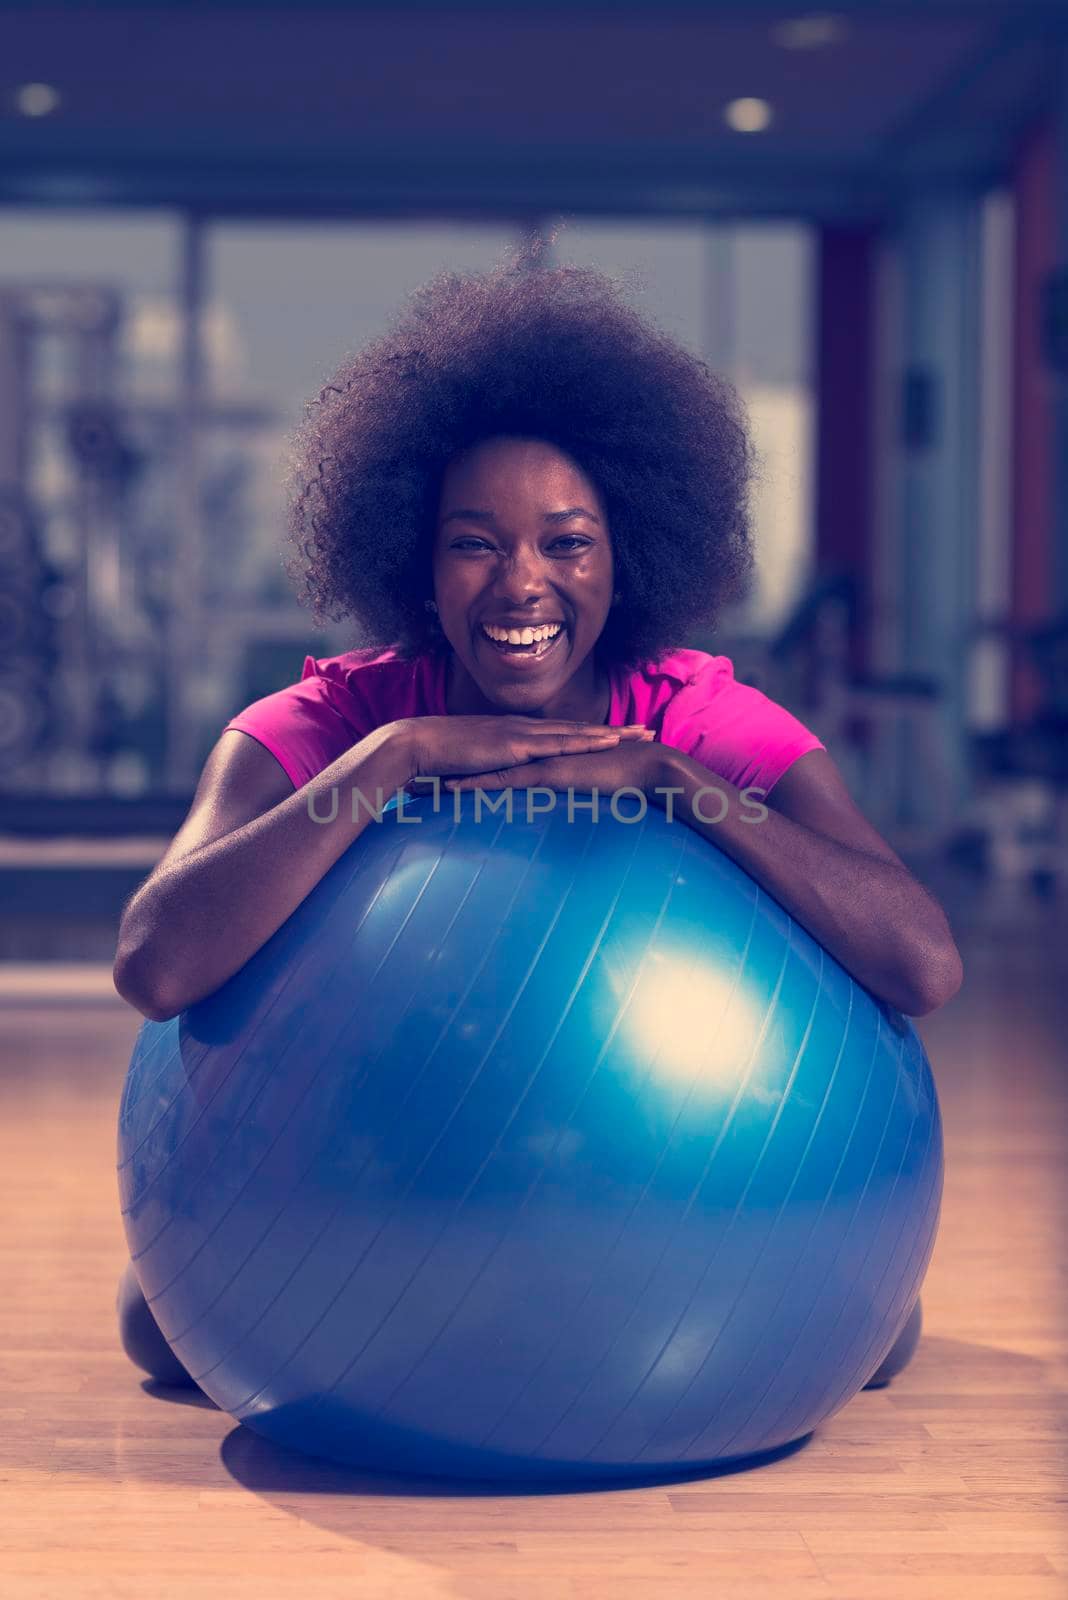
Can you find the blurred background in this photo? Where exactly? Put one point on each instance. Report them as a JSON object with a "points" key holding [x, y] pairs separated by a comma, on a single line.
{"points": [[859, 216]]}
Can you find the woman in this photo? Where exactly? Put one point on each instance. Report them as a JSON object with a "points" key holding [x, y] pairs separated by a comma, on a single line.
{"points": [[525, 496]]}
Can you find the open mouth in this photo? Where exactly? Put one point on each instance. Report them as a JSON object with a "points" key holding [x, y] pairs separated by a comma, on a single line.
{"points": [[535, 650]]}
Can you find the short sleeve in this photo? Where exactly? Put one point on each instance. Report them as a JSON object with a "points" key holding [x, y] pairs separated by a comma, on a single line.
{"points": [[302, 725], [734, 730]]}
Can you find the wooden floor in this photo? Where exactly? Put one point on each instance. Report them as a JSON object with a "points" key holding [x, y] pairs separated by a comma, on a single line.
{"points": [[952, 1482]]}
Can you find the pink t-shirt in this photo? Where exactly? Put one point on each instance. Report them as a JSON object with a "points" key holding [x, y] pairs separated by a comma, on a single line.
{"points": [[691, 700]]}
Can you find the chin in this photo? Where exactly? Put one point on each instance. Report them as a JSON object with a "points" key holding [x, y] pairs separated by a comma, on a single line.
{"points": [[526, 694]]}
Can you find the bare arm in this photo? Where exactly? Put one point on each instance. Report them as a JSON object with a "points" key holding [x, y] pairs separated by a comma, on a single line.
{"points": [[252, 849], [246, 856], [821, 859]]}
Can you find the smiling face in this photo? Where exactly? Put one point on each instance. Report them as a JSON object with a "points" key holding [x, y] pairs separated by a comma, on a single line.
{"points": [[522, 541]]}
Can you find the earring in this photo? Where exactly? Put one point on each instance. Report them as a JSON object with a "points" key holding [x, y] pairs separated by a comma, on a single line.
{"points": [[616, 597], [430, 605]]}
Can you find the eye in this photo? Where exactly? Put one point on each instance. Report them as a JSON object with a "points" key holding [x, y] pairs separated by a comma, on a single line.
{"points": [[570, 540]]}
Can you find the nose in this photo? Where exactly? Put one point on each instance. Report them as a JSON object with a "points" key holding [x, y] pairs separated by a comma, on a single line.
{"points": [[520, 580]]}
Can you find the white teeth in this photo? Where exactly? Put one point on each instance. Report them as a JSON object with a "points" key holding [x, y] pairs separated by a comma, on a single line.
{"points": [[522, 635]]}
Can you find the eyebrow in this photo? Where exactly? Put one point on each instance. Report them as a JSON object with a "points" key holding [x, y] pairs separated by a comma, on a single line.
{"points": [[489, 516]]}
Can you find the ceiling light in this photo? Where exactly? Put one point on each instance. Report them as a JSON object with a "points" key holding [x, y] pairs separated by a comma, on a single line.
{"points": [[809, 33], [748, 115], [36, 99]]}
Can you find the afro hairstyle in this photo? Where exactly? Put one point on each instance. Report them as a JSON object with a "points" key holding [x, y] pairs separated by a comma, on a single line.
{"points": [[525, 351]]}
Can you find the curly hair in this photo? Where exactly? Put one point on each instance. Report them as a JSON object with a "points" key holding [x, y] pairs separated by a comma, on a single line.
{"points": [[555, 354]]}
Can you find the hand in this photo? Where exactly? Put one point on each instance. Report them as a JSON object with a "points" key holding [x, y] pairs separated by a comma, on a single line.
{"points": [[635, 764], [458, 745]]}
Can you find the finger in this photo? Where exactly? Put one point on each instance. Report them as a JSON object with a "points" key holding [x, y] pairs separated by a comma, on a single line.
{"points": [[607, 738], [553, 725], [636, 730], [561, 740], [487, 780], [568, 743]]}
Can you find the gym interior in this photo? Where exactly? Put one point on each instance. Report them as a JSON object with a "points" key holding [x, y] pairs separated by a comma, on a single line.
{"points": [[860, 218]]}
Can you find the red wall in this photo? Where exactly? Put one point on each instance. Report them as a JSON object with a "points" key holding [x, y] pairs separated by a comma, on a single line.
{"points": [[1034, 188], [844, 378]]}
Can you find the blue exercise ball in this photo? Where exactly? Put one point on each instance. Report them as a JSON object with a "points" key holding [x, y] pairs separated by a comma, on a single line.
{"points": [[540, 1148]]}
